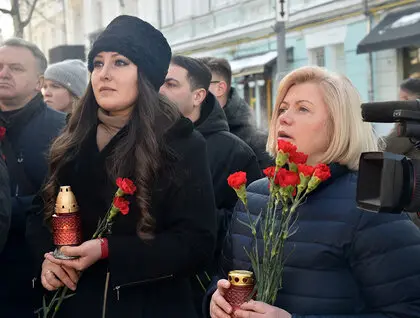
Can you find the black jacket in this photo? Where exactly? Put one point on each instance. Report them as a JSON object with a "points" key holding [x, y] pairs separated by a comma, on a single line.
{"points": [[226, 152], [344, 262], [30, 132], [241, 124], [5, 205], [147, 278], [403, 146]]}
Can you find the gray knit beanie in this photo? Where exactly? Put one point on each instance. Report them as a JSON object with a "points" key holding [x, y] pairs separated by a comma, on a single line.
{"points": [[71, 74]]}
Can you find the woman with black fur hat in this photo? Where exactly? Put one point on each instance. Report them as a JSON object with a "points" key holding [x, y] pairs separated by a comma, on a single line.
{"points": [[123, 128]]}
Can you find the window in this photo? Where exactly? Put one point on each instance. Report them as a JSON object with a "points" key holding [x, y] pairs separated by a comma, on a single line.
{"points": [[340, 58], [300, 5], [411, 62], [217, 4], [317, 56], [129, 6], [201, 7], [98, 13], [166, 13], [183, 10]]}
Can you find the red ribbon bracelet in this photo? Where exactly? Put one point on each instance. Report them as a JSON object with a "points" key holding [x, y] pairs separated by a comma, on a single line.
{"points": [[104, 248]]}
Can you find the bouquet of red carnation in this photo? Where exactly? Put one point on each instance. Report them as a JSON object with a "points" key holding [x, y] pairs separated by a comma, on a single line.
{"points": [[119, 205], [290, 181]]}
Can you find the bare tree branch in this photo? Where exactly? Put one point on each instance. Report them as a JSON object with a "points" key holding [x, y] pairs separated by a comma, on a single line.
{"points": [[28, 19], [5, 11], [15, 9]]}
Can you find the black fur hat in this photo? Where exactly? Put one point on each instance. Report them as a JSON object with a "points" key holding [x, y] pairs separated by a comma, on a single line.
{"points": [[140, 42]]}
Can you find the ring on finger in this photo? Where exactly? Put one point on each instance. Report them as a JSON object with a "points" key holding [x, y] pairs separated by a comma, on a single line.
{"points": [[48, 272]]}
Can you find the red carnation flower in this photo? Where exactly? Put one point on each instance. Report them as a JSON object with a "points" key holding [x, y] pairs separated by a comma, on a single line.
{"points": [[286, 178], [322, 172], [237, 179], [306, 170], [298, 157], [122, 204], [269, 172], [285, 146], [126, 185]]}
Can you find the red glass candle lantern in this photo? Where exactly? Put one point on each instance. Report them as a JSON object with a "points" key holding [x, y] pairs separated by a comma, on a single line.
{"points": [[241, 288], [66, 222]]}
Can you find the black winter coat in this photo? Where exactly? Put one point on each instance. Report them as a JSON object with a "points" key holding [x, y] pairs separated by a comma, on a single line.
{"points": [[5, 205], [345, 262], [30, 132], [147, 278], [242, 124], [226, 154]]}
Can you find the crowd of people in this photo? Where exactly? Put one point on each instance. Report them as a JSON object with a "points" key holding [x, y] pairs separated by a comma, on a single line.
{"points": [[177, 127]]}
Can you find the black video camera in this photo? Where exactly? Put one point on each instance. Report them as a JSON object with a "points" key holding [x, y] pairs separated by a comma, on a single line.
{"points": [[390, 182]]}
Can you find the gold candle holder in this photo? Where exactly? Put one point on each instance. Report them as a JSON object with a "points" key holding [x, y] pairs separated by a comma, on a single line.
{"points": [[241, 288], [66, 222]]}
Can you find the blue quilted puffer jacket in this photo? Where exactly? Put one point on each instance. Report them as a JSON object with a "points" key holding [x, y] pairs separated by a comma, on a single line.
{"points": [[345, 262]]}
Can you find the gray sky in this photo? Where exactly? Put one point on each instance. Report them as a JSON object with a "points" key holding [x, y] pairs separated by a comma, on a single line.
{"points": [[6, 23]]}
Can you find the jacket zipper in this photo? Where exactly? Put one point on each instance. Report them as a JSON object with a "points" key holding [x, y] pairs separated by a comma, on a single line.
{"points": [[20, 162], [117, 288]]}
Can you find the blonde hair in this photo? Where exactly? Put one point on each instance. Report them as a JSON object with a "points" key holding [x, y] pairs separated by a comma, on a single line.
{"points": [[350, 136]]}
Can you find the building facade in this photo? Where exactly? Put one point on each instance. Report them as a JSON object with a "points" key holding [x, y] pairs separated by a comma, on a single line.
{"points": [[327, 33], [319, 32], [57, 27]]}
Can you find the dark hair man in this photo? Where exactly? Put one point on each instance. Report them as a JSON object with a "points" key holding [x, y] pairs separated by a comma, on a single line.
{"points": [[30, 128], [187, 85], [238, 112]]}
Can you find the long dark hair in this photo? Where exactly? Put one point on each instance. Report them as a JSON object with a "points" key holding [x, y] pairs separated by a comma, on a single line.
{"points": [[138, 154]]}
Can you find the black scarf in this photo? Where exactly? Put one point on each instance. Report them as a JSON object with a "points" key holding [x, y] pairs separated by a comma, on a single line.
{"points": [[14, 121], [18, 119]]}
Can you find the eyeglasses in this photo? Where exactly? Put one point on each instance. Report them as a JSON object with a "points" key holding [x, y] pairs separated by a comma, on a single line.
{"points": [[214, 82]]}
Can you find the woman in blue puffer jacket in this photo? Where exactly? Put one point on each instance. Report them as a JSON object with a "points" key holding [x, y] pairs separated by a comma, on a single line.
{"points": [[346, 262]]}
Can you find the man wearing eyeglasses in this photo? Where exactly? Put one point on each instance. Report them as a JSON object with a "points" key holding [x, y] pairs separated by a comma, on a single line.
{"points": [[187, 85], [237, 111]]}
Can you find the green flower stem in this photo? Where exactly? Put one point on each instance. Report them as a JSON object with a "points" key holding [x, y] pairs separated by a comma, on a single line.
{"points": [[275, 229], [254, 233], [200, 282], [60, 301], [46, 309]]}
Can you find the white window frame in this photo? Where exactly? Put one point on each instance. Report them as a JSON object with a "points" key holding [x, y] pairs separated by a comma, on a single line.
{"points": [[314, 56]]}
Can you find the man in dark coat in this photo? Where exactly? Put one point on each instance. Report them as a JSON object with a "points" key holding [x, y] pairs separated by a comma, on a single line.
{"points": [[238, 112], [30, 128], [409, 90], [5, 208], [186, 84]]}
